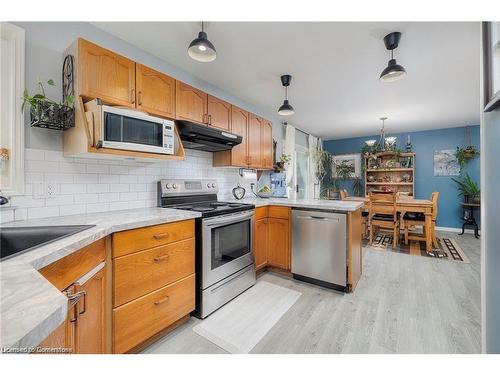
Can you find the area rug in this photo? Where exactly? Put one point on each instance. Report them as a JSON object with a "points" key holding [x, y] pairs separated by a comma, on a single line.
{"points": [[449, 247], [239, 325]]}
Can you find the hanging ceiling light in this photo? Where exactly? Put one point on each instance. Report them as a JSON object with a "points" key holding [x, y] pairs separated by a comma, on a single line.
{"points": [[201, 49], [393, 71], [286, 109]]}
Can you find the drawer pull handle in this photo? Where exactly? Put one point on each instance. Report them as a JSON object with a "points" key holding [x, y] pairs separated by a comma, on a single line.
{"points": [[159, 302], [160, 258], [161, 236]]}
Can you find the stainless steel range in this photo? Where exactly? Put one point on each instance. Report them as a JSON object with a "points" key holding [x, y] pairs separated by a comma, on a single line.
{"points": [[224, 241]]}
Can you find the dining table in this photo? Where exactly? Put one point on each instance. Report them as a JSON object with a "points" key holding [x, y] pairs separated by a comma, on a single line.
{"points": [[409, 204]]}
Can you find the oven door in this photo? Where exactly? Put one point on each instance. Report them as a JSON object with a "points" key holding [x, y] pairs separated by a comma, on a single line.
{"points": [[227, 245]]}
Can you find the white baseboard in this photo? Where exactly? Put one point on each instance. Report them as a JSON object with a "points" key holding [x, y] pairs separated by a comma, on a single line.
{"points": [[456, 230]]}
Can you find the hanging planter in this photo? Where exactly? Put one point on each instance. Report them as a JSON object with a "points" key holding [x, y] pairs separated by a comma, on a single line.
{"points": [[48, 114], [51, 115]]}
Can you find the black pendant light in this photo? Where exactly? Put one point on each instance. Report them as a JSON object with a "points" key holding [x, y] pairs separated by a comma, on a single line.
{"points": [[286, 109], [201, 49], [393, 71]]}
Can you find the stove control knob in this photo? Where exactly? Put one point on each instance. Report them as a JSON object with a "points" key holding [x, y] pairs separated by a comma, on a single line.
{"points": [[168, 186], [208, 186], [213, 185], [175, 186]]}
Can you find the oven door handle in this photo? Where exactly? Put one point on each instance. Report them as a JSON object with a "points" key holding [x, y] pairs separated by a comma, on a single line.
{"points": [[234, 218]]}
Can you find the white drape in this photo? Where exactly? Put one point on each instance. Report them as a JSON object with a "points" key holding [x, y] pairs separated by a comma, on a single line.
{"points": [[315, 144], [289, 149]]}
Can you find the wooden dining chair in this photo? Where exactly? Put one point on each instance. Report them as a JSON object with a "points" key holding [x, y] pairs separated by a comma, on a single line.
{"points": [[413, 219], [343, 194], [383, 215]]}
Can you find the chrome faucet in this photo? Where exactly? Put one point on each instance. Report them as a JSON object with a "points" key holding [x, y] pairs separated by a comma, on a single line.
{"points": [[3, 200]]}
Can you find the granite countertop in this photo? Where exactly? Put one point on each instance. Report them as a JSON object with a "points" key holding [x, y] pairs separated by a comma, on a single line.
{"points": [[322, 204], [31, 307]]}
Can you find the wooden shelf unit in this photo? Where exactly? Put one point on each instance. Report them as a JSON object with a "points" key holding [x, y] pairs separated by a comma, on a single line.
{"points": [[394, 167]]}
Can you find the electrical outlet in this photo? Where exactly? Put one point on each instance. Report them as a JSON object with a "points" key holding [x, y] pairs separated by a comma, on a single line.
{"points": [[43, 190], [51, 189]]}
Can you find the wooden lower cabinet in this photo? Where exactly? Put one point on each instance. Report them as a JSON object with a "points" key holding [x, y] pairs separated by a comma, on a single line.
{"points": [[140, 319], [153, 281], [137, 274], [261, 243], [272, 244], [85, 328], [279, 243], [91, 327]]}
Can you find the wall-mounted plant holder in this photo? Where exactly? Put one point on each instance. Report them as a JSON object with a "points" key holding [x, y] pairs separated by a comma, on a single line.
{"points": [[52, 116]]}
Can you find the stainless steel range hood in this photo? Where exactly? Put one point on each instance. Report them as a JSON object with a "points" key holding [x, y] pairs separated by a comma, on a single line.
{"points": [[205, 138]]}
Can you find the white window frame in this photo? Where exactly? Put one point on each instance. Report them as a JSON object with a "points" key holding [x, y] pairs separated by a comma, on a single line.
{"points": [[15, 36], [299, 149]]}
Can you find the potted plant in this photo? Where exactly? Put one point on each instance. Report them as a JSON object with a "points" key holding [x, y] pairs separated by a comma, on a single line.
{"points": [[46, 113], [464, 154], [280, 166], [468, 188]]}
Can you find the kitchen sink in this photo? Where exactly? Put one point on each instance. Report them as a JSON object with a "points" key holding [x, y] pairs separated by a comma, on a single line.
{"points": [[14, 240]]}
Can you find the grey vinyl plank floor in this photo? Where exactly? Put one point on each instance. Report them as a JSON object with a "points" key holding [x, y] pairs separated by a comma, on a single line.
{"points": [[402, 304]]}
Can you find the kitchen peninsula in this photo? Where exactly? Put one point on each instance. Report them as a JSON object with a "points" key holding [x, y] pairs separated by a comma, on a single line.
{"points": [[32, 307]]}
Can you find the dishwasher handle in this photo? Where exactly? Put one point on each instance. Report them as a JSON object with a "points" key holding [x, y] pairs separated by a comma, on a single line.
{"points": [[318, 218]]}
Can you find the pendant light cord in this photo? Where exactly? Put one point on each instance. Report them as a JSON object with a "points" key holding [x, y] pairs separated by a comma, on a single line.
{"points": [[202, 26]]}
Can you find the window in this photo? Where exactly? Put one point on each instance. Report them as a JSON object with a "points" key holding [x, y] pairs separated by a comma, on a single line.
{"points": [[301, 174], [11, 116]]}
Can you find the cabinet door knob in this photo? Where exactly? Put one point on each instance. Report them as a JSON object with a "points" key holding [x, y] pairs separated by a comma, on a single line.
{"points": [[160, 301], [161, 258], [140, 97], [160, 236]]}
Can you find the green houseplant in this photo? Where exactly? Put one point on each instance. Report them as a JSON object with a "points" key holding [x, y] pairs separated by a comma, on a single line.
{"points": [[468, 188], [464, 154]]}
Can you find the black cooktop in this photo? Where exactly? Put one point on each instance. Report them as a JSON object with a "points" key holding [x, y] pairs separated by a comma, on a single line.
{"points": [[208, 209]]}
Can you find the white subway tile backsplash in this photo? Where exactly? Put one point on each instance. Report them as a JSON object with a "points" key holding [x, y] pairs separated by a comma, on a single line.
{"points": [[118, 169], [97, 188], [87, 185], [97, 168], [118, 188], [74, 209], [39, 212], [128, 179], [72, 188], [109, 178]]}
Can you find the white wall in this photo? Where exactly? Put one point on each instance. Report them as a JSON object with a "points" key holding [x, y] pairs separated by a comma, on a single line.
{"points": [[490, 230]]}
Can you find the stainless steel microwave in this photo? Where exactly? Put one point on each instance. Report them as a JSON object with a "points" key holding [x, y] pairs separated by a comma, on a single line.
{"points": [[126, 129]]}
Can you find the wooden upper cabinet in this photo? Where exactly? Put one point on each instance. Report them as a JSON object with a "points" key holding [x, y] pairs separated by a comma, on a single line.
{"points": [[219, 113], [266, 144], [254, 154], [155, 91], [105, 75], [191, 103], [238, 155]]}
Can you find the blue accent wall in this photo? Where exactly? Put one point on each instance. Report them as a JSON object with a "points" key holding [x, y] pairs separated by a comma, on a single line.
{"points": [[424, 145]]}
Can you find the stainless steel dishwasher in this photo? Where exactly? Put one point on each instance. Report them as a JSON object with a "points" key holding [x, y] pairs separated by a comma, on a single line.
{"points": [[319, 248]]}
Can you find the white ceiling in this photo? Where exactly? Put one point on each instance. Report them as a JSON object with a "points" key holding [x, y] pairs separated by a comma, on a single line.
{"points": [[335, 67]]}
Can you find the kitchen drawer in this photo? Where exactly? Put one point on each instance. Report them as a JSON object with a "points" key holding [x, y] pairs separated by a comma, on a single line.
{"points": [[140, 319], [140, 273], [261, 213], [279, 212], [134, 240]]}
